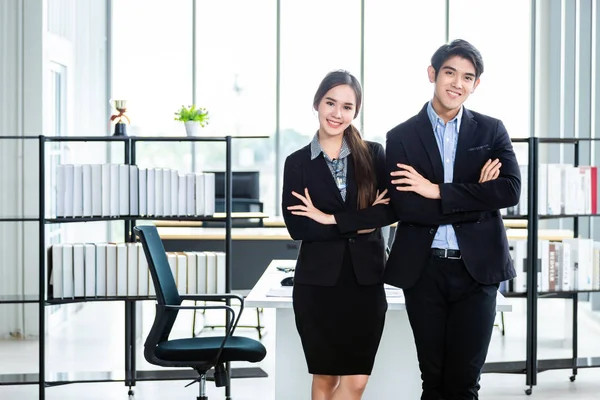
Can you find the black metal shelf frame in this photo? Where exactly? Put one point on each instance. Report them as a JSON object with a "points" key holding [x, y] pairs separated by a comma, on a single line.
{"points": [[130, 375], [532, 366]]}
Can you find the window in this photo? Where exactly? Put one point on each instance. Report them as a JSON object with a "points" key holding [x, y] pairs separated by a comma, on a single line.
{"points": [[396, 84]]}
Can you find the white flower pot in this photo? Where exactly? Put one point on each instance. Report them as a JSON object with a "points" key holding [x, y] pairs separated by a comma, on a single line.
{"points": [[192, 128]]}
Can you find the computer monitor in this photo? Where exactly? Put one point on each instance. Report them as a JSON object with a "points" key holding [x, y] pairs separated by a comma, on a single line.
{"points": [[245, 185]]}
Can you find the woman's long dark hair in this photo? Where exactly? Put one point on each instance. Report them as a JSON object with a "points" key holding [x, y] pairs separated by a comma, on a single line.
{"points": [[363, 163]]}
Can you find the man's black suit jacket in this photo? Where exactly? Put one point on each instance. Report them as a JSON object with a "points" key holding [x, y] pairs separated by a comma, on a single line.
{"points": [[323, 246], [472, 208]]}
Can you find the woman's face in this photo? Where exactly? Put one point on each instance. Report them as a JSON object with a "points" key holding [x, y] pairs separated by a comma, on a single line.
{"points": [[336, 110]]}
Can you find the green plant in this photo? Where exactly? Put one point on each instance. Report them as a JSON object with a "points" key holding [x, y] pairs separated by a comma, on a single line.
{"points": [[191, 113]]}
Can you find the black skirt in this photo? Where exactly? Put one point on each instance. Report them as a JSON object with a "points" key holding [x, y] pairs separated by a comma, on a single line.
{"points": [[340, 326]]}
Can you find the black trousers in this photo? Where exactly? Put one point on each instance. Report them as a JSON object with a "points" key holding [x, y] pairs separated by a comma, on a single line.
{"points": [[452, 318]]}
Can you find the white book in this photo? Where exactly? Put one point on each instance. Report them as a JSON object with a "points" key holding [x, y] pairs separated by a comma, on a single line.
{"points": [[142, 192], [572, 194], [144, 281], [567, 267], [132, 269], [190, 195], [121, 269], [582, 252], [520, 260], [68, 193], [542, 189], [543, 255], [523, 199], [182, 195], [585, 181], [57, 271], [166, 192], [96, 189], [159, 211], [89, 261], [134, 205], [60, 190], [181, 273], [192, 272], [174, 192], [87, 189], [221, 272], [555, 187], [114, 190], [172, 259], [150, 191], [199, 194], [111, 270], [124, 189], [78, 270], [211, 272], [101, 252], [201, 272], [68, 283], [78, 190], [209, 193], [105, 189]]}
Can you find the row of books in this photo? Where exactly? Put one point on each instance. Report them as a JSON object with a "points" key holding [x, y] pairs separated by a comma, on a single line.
{"points": [[569, 265], [562, 189], [80, 270], [113, 190]]}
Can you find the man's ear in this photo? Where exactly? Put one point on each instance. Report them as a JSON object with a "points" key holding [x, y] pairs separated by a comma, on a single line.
{"points": [[475, 85], [431, 73]]}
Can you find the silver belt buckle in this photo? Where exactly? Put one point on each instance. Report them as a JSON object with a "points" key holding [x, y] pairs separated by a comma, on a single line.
{"points": [[451, 258]]}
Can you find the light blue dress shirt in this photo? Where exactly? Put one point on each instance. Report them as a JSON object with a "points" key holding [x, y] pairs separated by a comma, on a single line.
{"points": [[446, 136]]}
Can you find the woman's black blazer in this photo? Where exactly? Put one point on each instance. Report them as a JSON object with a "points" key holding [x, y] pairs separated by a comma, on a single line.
{"points": [[323, 246]]}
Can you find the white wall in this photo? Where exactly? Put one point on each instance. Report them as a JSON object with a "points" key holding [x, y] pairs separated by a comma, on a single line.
{"points": [[75, 35]]}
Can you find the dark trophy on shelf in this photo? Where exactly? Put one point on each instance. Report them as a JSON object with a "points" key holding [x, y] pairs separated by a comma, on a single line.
{"points": [[120, 126]]}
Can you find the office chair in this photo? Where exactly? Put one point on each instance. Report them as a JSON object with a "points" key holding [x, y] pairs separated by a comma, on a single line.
{"points": [[200, 353]]}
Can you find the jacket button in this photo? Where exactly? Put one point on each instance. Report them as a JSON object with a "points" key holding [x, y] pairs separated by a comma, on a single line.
{"points": [[431, 231], [351, 240]]}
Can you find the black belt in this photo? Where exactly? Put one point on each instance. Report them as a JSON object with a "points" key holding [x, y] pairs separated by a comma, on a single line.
{"points": [[446, 253]]}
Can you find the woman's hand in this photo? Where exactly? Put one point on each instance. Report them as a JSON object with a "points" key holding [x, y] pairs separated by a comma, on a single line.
{"points": [[307, 209]]}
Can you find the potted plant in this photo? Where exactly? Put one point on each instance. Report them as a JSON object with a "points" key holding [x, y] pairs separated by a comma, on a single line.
{"points": [[193, 117]]}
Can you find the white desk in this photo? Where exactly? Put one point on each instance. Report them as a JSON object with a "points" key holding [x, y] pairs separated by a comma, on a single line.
{"points": [[396, 367]]}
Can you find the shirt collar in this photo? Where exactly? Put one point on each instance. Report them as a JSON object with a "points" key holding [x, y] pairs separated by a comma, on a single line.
{"points": [[316, 149], [435, 119]]}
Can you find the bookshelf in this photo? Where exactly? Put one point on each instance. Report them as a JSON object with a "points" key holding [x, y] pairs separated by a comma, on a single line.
{"points": [[130, 375], [531, 366]]}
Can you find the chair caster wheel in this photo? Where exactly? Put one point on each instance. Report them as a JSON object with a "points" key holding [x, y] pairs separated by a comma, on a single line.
{"points": [[130, 394], [572, 378], [528, 391]]}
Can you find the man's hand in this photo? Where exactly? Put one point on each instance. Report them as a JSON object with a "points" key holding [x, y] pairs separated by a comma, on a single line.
{"points": [[307, 209], [490, 171], [412, 181], [380, 199]]}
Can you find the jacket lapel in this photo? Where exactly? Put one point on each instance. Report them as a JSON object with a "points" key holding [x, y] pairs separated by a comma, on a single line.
{"points": [[425, 133], [468, 126], [322, 170]]}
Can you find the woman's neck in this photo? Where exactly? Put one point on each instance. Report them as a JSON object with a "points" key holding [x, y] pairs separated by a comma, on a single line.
{"points": [[331, 145]]}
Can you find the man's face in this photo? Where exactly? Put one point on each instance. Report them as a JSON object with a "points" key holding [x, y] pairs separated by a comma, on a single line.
{"points": [[456, 80]]}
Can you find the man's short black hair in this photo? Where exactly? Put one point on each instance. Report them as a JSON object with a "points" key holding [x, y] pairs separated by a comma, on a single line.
{"points": [[461, 48]]}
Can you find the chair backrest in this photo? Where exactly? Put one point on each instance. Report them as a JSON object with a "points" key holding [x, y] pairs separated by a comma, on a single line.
{"points": [[163, 280]]}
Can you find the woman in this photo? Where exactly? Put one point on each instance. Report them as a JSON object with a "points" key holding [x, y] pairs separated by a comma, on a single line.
{"points": [[333, 197]]}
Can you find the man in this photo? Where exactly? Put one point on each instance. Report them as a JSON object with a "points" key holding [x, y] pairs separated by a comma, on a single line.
{"points": [[450, 250]]}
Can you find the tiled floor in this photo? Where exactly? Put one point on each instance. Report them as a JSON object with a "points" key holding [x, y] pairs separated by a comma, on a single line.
{"points": [[93, 341]]}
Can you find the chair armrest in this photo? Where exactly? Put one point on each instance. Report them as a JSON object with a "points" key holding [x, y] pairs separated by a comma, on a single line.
{"points": [[218, 297], [212, 297]]}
